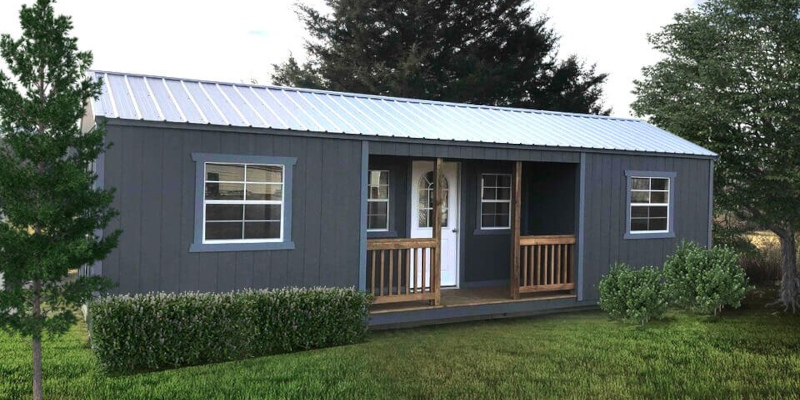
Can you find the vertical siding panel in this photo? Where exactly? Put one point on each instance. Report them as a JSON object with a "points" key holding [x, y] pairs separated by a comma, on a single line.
{"points": [[327, 232], [617, 208], [300, 188], [171, 190], [113, 177], [152, 170], [315, 165], [189, 274], [131, 193]]}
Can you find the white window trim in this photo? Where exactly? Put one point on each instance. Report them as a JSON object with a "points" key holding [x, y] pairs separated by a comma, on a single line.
{"points": [[285, 243], [659, 234], [245, 202], [387, 200], [482, 200]]}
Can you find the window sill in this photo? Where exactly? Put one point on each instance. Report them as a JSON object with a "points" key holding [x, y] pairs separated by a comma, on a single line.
{"points": [[223, 247], [660, 235], [491, 232], [381, 234]]}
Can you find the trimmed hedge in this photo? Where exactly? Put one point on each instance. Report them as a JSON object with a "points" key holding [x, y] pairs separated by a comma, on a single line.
{"points": [[633, 295], [156, 331]]}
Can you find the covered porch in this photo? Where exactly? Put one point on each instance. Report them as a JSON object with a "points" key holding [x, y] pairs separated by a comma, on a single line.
{"points": [[528, 254]]}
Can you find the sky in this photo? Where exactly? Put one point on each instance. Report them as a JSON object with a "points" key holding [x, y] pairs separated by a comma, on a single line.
{"points": [[239, 40]]}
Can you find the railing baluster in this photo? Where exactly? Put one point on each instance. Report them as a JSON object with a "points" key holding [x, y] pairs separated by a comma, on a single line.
{"points": [[372, 288]]}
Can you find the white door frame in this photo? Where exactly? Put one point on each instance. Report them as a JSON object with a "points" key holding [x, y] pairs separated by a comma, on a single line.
{"points": [[453, 228]]}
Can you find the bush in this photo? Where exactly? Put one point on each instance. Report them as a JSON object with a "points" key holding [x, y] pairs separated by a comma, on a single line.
{"points": [[157, 331], [633, 295], [704, 281]]}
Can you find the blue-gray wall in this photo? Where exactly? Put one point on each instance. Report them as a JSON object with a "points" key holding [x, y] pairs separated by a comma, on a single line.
{"points": [[152, 169], [605, 207]]}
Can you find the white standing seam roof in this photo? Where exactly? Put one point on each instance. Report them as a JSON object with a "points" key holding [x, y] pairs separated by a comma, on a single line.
{"points": [[155, 98]]}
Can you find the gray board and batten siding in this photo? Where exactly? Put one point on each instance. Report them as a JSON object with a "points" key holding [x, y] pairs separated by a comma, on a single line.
{"points": [[152, 169]]}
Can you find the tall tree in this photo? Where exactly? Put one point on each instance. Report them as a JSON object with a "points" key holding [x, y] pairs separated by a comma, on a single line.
{"points": [[474, 51], [48, 200], [731, 81]]}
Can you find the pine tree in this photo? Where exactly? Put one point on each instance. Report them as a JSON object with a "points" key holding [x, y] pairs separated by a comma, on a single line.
{"points": [[50, 206], [472, 51]]}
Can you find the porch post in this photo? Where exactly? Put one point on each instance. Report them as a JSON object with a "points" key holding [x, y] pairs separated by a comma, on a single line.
{"points": [[437, 232], [516, 199]]}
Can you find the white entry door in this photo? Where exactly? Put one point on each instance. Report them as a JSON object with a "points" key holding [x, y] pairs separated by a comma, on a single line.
{"points": [[422, 213]]}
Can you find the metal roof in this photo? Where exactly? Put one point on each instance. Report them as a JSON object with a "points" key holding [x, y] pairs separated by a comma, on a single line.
{"points": [[155, 98]]}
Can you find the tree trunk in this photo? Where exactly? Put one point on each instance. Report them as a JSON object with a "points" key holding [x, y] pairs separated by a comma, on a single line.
{"points": [[790, 283], [37, 341]]}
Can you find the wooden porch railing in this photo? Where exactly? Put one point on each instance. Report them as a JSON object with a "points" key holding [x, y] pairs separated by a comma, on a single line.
{"points": [[409, 269], [547, 263], [402, 269]]}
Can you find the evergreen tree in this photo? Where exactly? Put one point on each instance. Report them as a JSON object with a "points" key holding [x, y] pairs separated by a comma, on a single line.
{"points": [[473, 51], [730, 81], [49, 204]]}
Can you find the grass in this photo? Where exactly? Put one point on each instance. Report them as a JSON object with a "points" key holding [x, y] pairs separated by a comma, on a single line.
{"points": [[752, 352]]}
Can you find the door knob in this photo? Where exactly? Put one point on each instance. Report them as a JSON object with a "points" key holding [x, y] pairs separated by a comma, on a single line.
{"points": [[455, 230]]}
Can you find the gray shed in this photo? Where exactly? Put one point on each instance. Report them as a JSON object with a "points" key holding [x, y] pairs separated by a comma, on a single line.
{"points": [[442, 211]]}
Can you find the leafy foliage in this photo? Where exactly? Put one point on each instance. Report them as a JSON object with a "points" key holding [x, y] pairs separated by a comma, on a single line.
{"points": [[157, 331], [729, 81], [704, 281], [475, 51], [633, 295], [48, 199]]}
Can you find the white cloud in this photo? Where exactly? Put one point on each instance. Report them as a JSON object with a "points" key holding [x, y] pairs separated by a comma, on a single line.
{"points": [[239, 40]]}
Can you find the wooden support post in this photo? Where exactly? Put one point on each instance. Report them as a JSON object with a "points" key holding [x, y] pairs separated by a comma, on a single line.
{"points": [[437, 232], [516, 199]]}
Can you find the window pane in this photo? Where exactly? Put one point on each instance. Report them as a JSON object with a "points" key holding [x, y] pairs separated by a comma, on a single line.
{"points": [[262, 230], [262, 212], [223, 212], [489, 208], [224, 191], [502, 221], [489, 180], [658, 212], [376, 222], [658, 197], [223, 230], [261, 191], [638, 224], [425, 218], [504, 181], [487, 221], [640, 183], [639, 212], [377, 208], [378, 192], [658, 224], [640, 197], [659, 184], [264, 173], [503, 194], [489, 193], [384, 178], [503, 208], [224, 172]]}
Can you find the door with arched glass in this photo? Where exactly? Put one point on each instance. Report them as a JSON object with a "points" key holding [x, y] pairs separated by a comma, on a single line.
{"points": [[422, 214]]}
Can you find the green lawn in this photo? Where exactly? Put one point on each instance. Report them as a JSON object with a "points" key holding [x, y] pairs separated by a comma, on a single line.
{"points": [[753, 352]]}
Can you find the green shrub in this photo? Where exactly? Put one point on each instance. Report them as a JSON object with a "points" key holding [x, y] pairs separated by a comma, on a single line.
{"points": [[704, 281], [157, 331], [633, 295]]}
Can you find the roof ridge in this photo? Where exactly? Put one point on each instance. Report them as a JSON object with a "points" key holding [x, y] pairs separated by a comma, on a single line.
{"points": [[378, 97]]}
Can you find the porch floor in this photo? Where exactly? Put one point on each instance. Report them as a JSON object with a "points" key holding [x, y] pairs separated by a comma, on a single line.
{"points": [[469, 297]]}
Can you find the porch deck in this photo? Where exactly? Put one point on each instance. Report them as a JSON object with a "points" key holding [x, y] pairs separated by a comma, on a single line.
{"points": [[468, 297]]}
